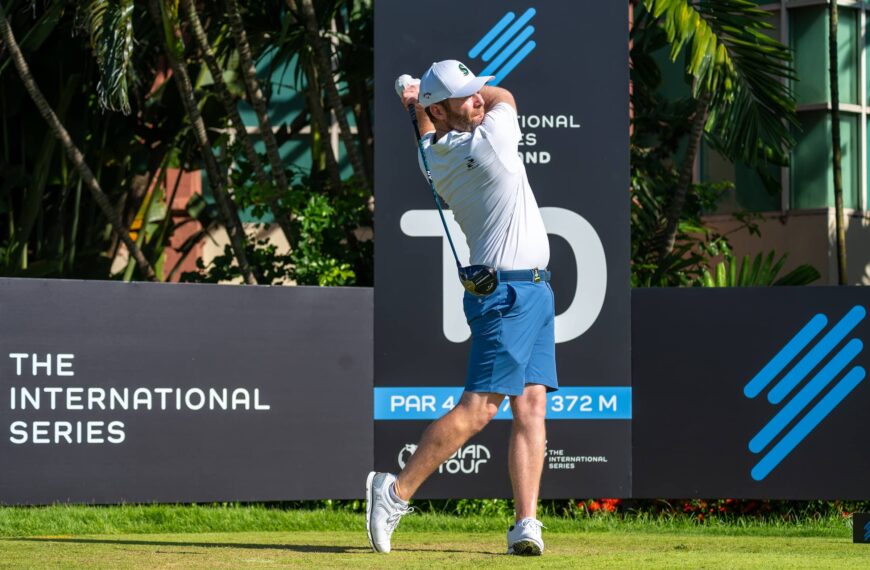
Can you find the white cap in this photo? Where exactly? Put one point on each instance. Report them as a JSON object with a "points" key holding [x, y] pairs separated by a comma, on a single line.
{"points": [[448, 79]]}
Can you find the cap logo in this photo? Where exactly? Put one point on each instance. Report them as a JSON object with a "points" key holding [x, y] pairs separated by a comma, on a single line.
{"points": [[463, 69], [426, 95]]}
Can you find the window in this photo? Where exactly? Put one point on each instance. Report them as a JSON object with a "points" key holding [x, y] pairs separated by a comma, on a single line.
{"points": [[812, 170], [810, 175]]}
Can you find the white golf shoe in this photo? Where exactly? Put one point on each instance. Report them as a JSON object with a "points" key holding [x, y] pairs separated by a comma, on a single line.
{"points": [[382, 511], [524, 538]]}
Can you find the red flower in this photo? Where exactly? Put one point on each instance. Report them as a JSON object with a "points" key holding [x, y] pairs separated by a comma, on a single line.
{"points": [[593, 506], [609, 505]]}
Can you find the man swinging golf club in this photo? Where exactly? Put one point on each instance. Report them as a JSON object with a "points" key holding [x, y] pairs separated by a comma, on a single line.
{"points": [[470, 147]]}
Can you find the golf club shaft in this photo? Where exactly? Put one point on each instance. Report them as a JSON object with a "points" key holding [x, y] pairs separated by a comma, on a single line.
{"points": [[413, 112]]}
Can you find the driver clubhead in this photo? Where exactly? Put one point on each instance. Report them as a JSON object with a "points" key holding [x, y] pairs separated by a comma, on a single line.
{"points": [[480, 280]]}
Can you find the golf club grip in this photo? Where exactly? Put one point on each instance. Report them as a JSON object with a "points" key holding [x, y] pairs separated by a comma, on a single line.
{"points": [[413, 112]]}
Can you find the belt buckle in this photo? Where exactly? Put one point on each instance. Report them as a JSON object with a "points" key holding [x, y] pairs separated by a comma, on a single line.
{"points": [[536, 277]]}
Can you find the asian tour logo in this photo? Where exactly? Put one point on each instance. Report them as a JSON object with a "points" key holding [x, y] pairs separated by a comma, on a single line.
{"points": [[466, 460], [406, 453], [505, 46], [819, 380]]}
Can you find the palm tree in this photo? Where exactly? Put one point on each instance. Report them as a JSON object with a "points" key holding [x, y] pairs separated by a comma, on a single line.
{"points": [[744, 105], [165, 17], [241, 133], [72, 151], [354, 58], [293, 44], [320, 125], [842, 275], [255, 95], [325, 75]]}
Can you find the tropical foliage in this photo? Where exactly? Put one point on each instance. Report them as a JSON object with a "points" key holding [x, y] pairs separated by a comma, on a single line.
{"points": [[730, 54], [146, 89], [660, 163], [762, 271], [743, 106]]}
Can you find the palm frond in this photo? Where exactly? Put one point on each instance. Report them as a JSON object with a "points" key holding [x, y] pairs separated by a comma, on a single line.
{"points": [[747, 72], [171, 22], [110, 27], [762, 271]]}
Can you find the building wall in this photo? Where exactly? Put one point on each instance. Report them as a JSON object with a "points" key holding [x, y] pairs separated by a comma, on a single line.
{"points": [[808, 236], [214, 244], [799, 219]]}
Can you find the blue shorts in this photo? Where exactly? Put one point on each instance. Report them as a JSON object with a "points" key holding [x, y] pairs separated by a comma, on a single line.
{"points": [[512, 338]]}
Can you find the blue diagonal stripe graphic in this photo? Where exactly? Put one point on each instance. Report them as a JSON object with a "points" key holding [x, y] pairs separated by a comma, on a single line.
{"points": [[867, 532], [496, 29], [806, 395], [808, 423], [510, 65], [509, 33], [508, 51], [785, 356], [816, 354]]}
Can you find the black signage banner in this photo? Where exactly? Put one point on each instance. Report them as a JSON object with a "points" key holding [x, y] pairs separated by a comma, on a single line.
{"points": [[861, 528], [565, 62], [750, 393], [113, 392]]}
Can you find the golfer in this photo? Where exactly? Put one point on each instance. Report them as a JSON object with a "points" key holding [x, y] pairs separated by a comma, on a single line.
{"points": [[471, 135]]}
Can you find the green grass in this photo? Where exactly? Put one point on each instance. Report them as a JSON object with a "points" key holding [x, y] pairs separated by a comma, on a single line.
{"points": [[150, 519], [165, 536], [415, 549]]}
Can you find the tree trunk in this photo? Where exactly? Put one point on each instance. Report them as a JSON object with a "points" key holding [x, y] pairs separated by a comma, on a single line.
{"points": [[365, 134], [229, 104], [678, 199], [71, 149], [216, 177], [324, 71], [358, 97], [320, 122], [842, 275], [319, 119], [258, 102]]}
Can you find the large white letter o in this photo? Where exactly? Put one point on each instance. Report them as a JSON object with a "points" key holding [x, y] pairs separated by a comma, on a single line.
{"points": [[588, 298]]}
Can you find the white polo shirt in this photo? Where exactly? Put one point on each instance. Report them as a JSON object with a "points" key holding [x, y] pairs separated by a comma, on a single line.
{"points": [[481, 176]]}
